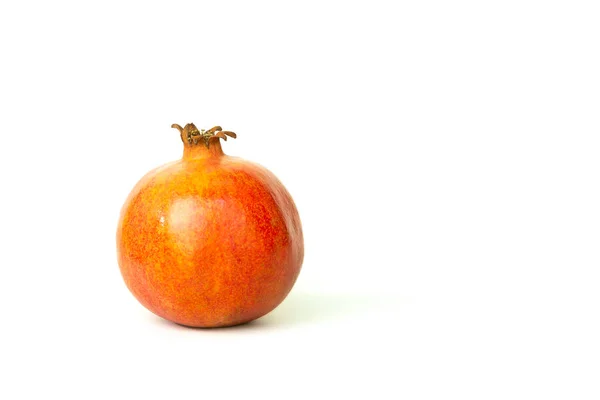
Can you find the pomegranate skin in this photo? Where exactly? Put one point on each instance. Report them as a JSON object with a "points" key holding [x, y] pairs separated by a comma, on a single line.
{"points": [[210, 240]]}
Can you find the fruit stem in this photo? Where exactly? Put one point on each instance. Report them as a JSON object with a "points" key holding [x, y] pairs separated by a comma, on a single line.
{"points": [[201, 143]]}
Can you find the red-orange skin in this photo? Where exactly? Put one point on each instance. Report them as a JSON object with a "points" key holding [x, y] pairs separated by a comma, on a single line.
{"points": [[210, 240]]}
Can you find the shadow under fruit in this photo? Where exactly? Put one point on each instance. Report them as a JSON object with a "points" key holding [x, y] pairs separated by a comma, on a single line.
{"points": [[210, 240]]}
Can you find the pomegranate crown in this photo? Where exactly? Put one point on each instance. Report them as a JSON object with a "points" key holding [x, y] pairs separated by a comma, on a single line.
{"points": [[192, 136]]}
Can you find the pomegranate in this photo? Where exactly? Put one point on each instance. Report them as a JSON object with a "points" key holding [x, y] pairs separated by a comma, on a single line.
{"points": [[209, 240]]}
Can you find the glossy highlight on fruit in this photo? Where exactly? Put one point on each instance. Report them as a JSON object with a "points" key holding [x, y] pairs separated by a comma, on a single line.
{"points": [[209, 240]]}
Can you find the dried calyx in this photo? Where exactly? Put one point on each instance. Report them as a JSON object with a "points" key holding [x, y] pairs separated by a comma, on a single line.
{"points": [[190, 135]]}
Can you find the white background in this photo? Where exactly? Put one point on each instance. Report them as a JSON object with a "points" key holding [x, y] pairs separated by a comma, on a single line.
{"points": [[444, 156]]}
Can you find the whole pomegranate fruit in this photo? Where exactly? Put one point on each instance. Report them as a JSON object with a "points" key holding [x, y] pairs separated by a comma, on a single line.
{"points": [[209, 240]]}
